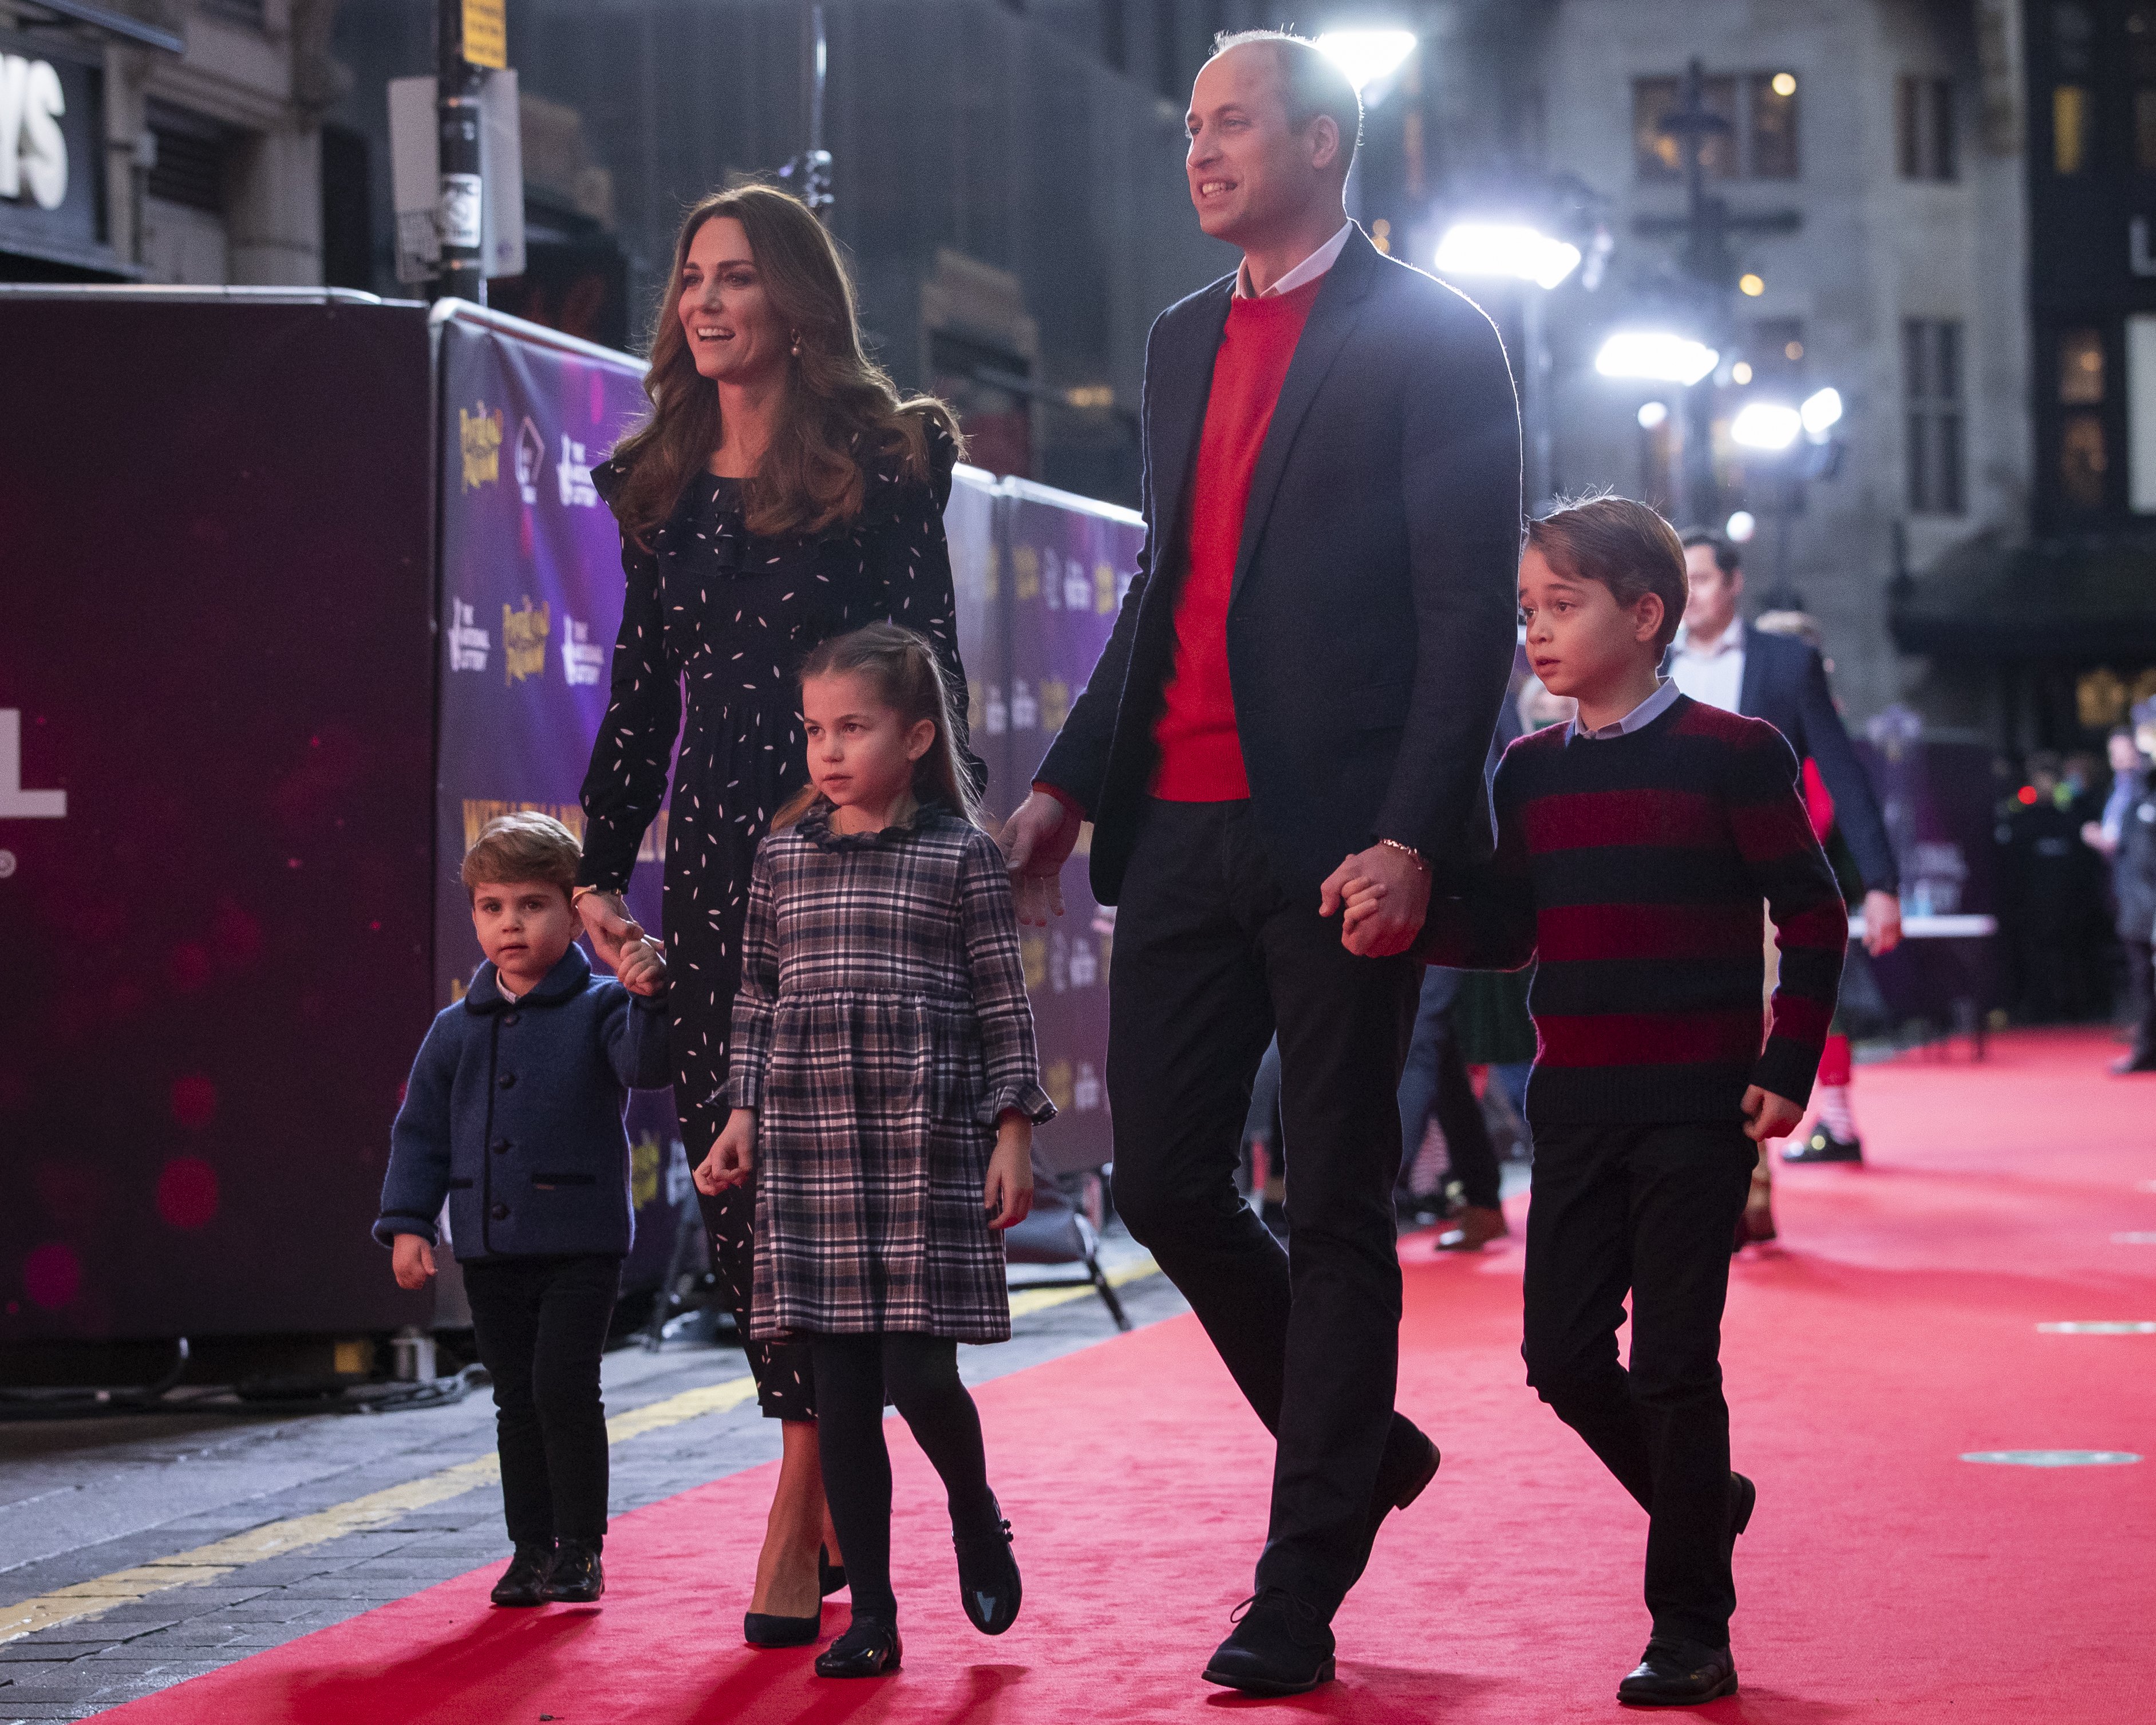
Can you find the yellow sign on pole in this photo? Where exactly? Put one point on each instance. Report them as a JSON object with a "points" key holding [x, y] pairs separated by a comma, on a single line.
{"points": [[486, 34]]}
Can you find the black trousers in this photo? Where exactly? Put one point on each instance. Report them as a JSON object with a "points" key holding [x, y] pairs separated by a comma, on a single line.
{"points": [[1211, 958], [2140, 995], [920, 1375], [1650, 1209], [540, 1324], [1435, 1082]]}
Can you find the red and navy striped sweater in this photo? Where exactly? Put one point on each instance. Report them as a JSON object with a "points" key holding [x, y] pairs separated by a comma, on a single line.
{"points": [[1631, 870]]}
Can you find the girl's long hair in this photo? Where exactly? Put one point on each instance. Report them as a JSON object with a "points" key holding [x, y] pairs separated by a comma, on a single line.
{"points": [[841, 407], [902, 668]]}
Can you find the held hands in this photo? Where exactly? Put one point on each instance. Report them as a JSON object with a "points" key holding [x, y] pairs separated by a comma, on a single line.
{"points": [[607, 921], [1882, 922], [732, 1157], [1037, 841], [1767, 1115], [641, 968], [1382, 895], [412, 1262], [1008, 1196]]}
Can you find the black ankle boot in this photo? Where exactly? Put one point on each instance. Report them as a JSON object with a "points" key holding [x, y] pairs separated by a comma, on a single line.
{"points": [[577, 1577], [988, 1584], [524, 1581], [868, 1648]]}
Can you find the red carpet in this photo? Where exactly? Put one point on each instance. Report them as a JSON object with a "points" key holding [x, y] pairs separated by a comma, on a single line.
{"points": [[1883, 1579]]}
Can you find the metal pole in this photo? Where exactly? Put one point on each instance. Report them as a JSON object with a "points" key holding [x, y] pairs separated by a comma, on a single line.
{"points": [[809, 173], [457, 107], [1535, 396]]}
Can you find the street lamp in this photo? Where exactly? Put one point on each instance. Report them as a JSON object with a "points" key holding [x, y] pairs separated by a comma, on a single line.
{"points": [[1821, 412], [1656, 357], [1767, 425], [1367, 56], [1505, 248]]}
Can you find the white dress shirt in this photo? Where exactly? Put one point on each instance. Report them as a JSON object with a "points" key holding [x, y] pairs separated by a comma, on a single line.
{"points": [[1712, 675], [1309, 269], [1648, 711]]}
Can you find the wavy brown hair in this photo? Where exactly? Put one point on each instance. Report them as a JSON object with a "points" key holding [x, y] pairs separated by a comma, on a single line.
{"points": [[841, 407], [902, 668]]}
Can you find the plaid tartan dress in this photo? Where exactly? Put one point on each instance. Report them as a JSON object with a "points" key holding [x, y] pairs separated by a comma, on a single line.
{"points": [[881, 1030]]}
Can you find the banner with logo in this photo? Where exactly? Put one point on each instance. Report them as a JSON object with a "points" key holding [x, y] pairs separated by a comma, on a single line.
{"points": [[531, 599]]}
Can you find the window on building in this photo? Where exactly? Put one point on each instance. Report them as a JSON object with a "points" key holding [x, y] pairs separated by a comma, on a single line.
{"points": [[2083, 458], [2141, 68], [1771, 133], [2141, 412], [2073, 114], [2073, 100], [1924, 128], [1659, 155], [1931, 387]]}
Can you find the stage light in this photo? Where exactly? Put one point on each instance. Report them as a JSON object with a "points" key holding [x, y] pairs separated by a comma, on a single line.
{"points": [[1821, 412], [1765, 425], [1741, 373], [1751, 285], [1653, 413], [1367, 55], [1505, 248], [1741, 526], [1656, 356], [1785, 84]]}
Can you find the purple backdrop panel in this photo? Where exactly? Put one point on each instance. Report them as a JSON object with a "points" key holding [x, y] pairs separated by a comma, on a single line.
{"points": [[1937, 800], [1066, 562], [972, 524], [531, 599]]}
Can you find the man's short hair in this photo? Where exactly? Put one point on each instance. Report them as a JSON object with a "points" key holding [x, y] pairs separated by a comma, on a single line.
{"points": [[1727, 558], [523, 846], [1624, 545], [1313, 80]]}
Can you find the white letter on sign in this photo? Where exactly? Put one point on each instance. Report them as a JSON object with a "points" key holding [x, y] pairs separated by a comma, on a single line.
{"points": [[15, 801], [44, 163]]}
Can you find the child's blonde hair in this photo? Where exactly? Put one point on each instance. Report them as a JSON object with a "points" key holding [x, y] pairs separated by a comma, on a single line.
{"points": [[902, 668], [524, 846]]}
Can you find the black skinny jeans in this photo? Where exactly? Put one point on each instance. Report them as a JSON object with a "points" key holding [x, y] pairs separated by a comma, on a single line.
{"points": [[1648, 1210], [920, 1375], [540, 1324]]}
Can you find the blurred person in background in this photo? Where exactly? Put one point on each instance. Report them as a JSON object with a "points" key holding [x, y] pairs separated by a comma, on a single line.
{"points": [[2126, 835], [1720, 659], [2052, 898]]}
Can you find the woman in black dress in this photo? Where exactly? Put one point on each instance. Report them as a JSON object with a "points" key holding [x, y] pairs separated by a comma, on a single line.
{"points": [[780, 493]]}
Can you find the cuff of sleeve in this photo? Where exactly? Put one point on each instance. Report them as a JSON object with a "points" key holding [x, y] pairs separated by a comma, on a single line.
{"points": [[739, 1091], [1787, 1071], [655, 1003], [1062, 796], [1030, 1100], [388, 1228]]}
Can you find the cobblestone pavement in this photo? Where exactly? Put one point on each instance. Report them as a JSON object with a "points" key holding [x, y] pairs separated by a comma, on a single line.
{"points": [[84, 1501]]}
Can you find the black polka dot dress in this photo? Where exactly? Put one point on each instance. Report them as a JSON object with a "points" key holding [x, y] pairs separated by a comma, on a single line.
{"points": [[714, 625]]}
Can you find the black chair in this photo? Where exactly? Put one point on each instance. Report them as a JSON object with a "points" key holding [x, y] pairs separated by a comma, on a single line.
{"points": [[1059, 1232]]}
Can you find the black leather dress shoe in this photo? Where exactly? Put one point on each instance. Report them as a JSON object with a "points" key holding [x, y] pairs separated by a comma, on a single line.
{"points": [[1406, 1471], [1679, 1674], [1281, 1646], [524, 1581], [1820, 1145], [576, 1577], [1743, 1498], [765, 1629], [868, 1648], [988, 1584]]}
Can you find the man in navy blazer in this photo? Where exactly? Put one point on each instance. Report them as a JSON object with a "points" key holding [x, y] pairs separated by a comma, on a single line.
{"points": [[1308, 666], [1721, 660]]}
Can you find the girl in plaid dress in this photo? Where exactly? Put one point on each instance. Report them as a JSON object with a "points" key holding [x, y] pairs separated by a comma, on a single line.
{"points": [[885, 1088]]}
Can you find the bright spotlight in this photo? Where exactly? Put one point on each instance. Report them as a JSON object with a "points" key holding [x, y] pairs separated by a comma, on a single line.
{"points": [[1653, 413], [1505, 248], [1766, 426], [1656, 356], [1367, 55], [1821, 412], [1741, 526]]}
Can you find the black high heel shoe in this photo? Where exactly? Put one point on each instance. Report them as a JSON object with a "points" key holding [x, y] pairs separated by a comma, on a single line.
{"points": [[763, 1629], [868, 1648], [989, 1583], [831, 1577]]}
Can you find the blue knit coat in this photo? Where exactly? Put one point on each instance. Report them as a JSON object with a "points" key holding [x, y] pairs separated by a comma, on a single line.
{"points": [[514, 1113]]}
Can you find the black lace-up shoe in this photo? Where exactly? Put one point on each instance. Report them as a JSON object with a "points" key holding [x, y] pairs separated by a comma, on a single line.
{"points": [[1281, 1646], [868, 1648], [1679, 1674], [1744, 1499], [988, 1585], [1820, 1145], [577, 1577], [524, 1581]]}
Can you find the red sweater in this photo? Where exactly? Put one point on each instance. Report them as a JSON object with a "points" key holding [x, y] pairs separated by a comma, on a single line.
{"points": [[1201, 758]]}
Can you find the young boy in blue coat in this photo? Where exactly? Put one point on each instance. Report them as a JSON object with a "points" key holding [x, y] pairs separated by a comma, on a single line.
{"points": [[513, 1114]]}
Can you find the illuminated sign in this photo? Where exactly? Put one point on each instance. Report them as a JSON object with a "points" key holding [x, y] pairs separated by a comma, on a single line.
{"points": [[52, 123]]}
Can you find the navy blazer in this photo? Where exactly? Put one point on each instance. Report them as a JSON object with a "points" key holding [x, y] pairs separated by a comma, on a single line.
{"points": [[513, 1112], [1784, 683], [1373, 608]]}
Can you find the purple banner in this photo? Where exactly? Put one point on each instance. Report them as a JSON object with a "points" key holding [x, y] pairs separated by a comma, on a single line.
{"points": [[531, 599]]}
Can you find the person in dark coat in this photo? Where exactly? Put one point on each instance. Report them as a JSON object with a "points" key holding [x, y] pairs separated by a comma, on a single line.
{"points": [[780, 493], [513, 1114], [2126, 835], [1309, 662]]}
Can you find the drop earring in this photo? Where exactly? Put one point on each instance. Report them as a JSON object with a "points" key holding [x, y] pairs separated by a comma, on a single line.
{"points": [[797, 344]]}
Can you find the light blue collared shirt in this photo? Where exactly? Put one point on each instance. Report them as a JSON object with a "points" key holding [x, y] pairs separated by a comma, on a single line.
{"points": [[1648, 711]]}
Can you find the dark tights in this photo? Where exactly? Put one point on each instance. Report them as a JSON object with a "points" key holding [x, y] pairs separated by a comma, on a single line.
{"points": [[920, 1374]]}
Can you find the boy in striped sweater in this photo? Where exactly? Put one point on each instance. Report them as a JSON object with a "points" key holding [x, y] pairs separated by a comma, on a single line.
{"points": [[1636, 844]]}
